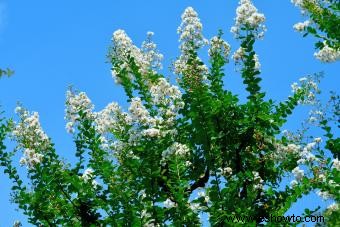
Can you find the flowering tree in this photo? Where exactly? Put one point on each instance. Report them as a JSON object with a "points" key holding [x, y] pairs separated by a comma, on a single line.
{"points": [[177, 152], [324, 23]]}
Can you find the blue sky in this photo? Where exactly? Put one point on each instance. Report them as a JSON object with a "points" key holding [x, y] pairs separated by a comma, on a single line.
{"points": [[53, 44]]}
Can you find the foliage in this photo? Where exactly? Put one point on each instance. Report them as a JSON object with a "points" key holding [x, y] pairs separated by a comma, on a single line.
{"points": [[324, 24], [6, 72], [178, 152]]}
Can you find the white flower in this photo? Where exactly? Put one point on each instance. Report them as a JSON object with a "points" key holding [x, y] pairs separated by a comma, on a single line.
{"points": [[336, 164], [195, 206], [112, 118], [88, 174], [327, 54], [148, 59], [151, 57], [318, 140], [333, 207], [257, 62], [227, 171], [188, 163], [239, 54], [31, 158], [324, 195], [191, 38], [169, 204], [152, 132], [322, 177], [29, 133], [247, 16], [190, 30], [297, 2], [17, 224], [69, 127], [301, 26], [293, 148], [218, 45], [138, 111], [298, 173], [177, 149], [258, 180], [293, 183], [76, 103]]}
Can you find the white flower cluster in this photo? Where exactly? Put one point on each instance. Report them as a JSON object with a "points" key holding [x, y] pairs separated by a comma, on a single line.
{"points": [[175, 149], [301, 26], [297, 2], [298, 173], [219, 46], [76, 103], [257, 180], [88, 176], [227, 171], [248, 17], [333, 207], [112, 118], [191, 38], [336, 164], [150, 54], [310, 88], [327, 54], [30, 158], [147, 58], [169, 204], [324, 195], [306, 155], [168, 98], [190, 30], [282, 151], [138, 111], [30, 137], [300, 3], [240, 55], [293, 183]]}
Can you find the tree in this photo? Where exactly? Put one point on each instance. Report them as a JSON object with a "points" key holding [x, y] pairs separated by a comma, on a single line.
{"points": [[324, 24], [178, 151]]}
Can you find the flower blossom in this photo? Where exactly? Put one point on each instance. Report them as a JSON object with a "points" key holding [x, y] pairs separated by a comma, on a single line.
{"points": [[336, 164], [31, 158], [298, 173], [138, 111], [301, 26], [333, 207], [148, 59], [177, 149], [219, 46], [169, 204], [88, 175], [112, 118], [30, 137], [327, 54], [150, 54], [191, 38], [324, 195], [247, 16], [76, 103]]}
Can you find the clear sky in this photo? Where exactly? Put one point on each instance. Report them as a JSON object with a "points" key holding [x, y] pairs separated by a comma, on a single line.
{"points": [[53, 44]]}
